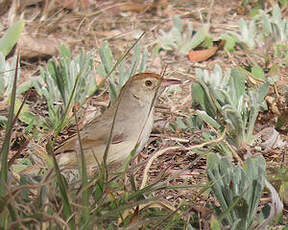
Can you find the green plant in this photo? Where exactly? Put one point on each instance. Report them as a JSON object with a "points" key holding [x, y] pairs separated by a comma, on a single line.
{"points": [[225, 99], [260, 29], [10, 38], [7, 72], [125, 70], [112, 205], [248, 33], [261, 2], [5, 150], [230, 41], [181, 40], [280, 177], [281, 51], [283, 2], [273, 26], [56, 84], [187, 124], [238, 190]]}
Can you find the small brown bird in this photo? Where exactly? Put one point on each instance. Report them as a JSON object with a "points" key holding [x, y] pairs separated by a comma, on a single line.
{"points": [[133, 111]]}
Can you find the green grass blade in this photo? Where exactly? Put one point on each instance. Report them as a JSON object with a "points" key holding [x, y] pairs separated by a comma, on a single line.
{"points": [[11, 37], [5, 147], [84, 175], [6, 144], [67, 209]]}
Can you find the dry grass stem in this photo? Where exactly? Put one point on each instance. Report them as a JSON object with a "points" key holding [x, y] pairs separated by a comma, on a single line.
{"points": [[176, 148]]}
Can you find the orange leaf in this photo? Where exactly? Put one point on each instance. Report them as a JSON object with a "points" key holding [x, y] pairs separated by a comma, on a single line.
{"points": [[202, 55]]}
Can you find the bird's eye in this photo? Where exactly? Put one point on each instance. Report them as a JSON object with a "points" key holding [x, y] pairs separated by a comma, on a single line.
{"points": [[148, 83]]}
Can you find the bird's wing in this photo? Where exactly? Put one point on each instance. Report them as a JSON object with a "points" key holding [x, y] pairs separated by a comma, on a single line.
{"points": [[91, 137], [95, 133]]}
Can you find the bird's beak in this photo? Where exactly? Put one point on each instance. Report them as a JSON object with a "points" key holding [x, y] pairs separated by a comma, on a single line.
{"points": [[168, 82]]}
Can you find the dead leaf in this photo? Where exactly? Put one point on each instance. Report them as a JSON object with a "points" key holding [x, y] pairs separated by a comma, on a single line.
{"points": [[130, 6], [271, 138], [276, 205], [251, 78], [271, 101], [32, 47], [71, 4], [67, 4], [144, 6], [202, 55]]}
